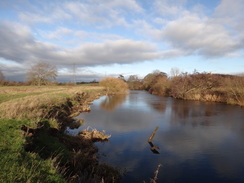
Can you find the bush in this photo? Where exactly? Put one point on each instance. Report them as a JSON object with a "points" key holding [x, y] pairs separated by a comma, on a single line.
{"points": [[160, 86], [114, 85], [156, 83]]}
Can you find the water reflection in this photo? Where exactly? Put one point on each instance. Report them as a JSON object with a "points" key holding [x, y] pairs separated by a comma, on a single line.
{"points": [[199, 142], [111, 102]]}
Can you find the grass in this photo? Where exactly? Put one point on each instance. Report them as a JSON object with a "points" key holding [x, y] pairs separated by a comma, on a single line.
{"points": [[34, 102], [17, 165]]}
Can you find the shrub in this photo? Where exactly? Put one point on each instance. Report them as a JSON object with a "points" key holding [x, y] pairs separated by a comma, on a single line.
{"points": [[114, 85], [156, 83], [160, 86]]}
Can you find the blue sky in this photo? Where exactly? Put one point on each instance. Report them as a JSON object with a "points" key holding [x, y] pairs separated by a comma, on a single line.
{"points": [[112, 37]]}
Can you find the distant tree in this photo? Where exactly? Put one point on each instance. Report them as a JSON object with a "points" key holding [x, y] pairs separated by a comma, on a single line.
{"points": [[174, 72], [1, 76], [134, 82], [41, 73], [133, 78], [121, 77]]}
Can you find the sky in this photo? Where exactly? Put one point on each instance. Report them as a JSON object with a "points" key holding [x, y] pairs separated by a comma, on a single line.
{"points": [[92, 39]]}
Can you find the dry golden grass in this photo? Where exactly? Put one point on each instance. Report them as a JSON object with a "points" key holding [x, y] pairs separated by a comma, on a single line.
{"points": [[34, 102], [41, 89]]}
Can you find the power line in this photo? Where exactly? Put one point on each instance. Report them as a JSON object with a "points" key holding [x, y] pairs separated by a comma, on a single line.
{"points": [[74, 73]]}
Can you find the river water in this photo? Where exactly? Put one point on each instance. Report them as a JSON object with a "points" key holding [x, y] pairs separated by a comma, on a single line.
{"points": [[198, 142]]}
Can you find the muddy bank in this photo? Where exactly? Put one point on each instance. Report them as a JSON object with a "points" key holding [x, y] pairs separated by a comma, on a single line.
{"points": [[76, 157]]}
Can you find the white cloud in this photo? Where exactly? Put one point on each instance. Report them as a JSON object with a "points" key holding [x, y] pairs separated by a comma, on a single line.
{"points": [[43, 13], [95, 13], [77, 36], [24, 48], [229, 9], [31, 18], [118, 51], [230, 14], [57, 34], [105, 14], [200, 36], [170, 9]]}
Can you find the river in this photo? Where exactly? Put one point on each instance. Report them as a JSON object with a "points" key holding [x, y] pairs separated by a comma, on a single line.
{"points": [[198, 141]]}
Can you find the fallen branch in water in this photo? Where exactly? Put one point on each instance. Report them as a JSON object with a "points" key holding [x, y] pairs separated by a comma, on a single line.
{"points": [[153, 134], [153, 147]]}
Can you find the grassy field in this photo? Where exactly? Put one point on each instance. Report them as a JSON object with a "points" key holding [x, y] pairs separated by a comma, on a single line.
{"points": [[32, 102], [27, 106]]}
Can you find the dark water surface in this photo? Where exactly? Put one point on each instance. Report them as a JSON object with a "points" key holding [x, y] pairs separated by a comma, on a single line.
{"points": [[199, 142]]}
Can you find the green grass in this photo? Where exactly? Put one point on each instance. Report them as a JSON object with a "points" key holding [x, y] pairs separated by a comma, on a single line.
{"points": [[17, 165]]}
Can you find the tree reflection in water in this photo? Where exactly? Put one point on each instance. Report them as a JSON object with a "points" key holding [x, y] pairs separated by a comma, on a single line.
{"points": [[111, 102]]}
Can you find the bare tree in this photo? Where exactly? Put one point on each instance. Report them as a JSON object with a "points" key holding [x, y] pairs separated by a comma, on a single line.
{"points": [[174, 72], [1, 76], [41, 72], [133, 78]]}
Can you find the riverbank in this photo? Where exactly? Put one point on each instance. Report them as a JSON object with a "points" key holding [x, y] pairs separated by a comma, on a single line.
{"points": [[34, 147], [209, 87]]}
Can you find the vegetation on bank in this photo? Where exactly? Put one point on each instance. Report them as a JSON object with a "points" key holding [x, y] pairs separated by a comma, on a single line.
{"points": [[34, 147], [209, 87], [114, 85], [197, 86]]}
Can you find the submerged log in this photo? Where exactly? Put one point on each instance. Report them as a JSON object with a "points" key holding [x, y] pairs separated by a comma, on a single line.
{"points": [[94, 135]]}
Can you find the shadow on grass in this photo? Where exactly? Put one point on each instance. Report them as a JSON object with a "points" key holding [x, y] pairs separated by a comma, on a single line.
{"points": [[75, 157]]}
